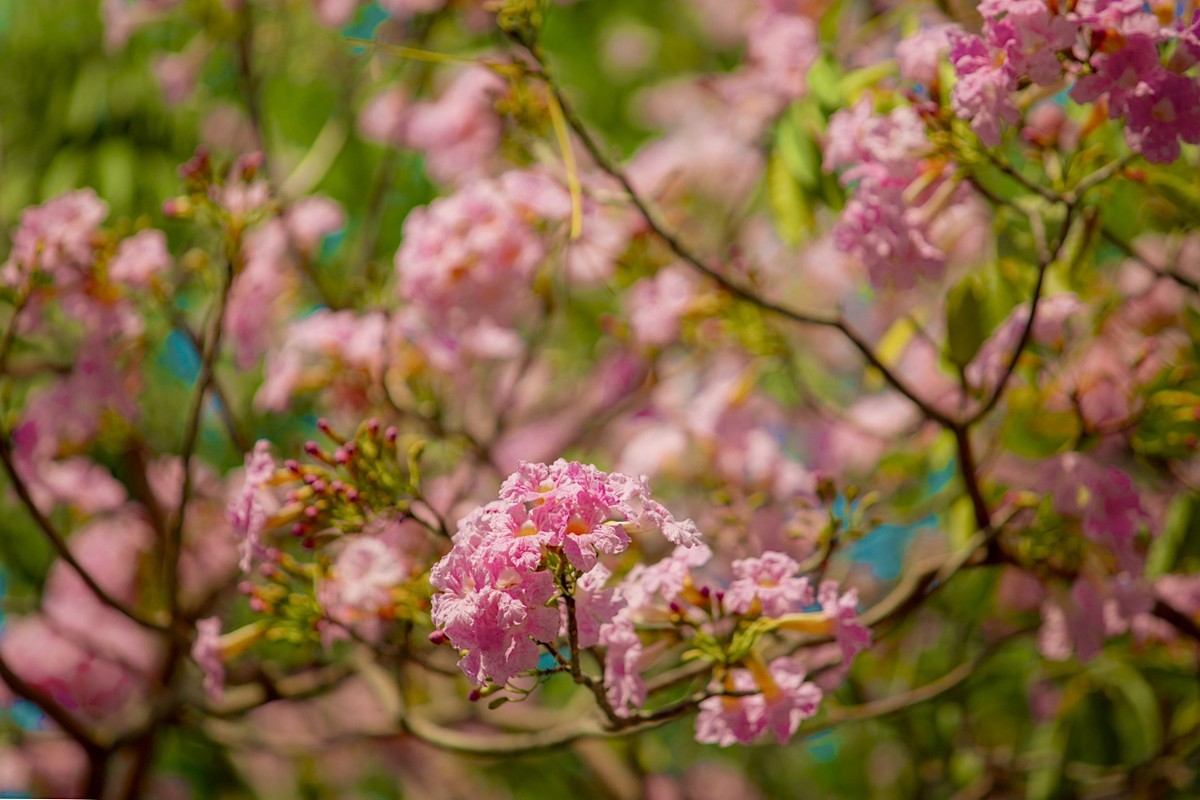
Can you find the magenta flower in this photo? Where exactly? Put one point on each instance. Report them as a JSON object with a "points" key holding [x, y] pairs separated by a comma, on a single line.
{"points": [[1165, 112], [1104, 500]]}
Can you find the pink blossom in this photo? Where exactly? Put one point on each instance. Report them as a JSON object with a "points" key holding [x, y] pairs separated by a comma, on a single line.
{"points": [[384, 119], [206, 652], [888, 236], [1079, 623], [1157, 118], [983, 93], [335, 13], [1031, 35], [366, 571], [665, 579], [492, 608], [1049, 330], [886, 148], [596, 604], [842, 609], [177, 74], [247, 513], [75, 481], [56, 238], [784, 700], [140, 258], [1103, 498], [703, 160], [309, 221], [780, 50], [460, 130], [919, 54], [658, 303], [584, 511], [772, 582], [338, 347], [1122, 75], [624, 685], [467, 261]]}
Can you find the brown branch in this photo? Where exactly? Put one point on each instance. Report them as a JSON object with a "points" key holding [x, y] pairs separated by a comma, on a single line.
{"points": [[62, 718], [693, 260], [59, 544], [1044, 263], [212, 345]]}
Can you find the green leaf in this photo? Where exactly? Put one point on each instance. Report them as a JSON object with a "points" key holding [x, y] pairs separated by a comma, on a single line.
{"points": [[967, 329], [1164, 550], [1140, 732], [790, 207], [797, 149], [824, 83], [1182, 193], [853, 83]]}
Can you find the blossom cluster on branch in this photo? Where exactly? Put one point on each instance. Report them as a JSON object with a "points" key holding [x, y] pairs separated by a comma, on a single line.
{"points": [[534, 394]]}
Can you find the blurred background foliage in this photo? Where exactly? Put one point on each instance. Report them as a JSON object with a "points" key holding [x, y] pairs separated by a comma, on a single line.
{"points": [[75, 112]]}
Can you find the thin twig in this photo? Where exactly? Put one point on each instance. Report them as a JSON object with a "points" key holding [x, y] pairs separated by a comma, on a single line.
{"points": [[212, 345], [59, 544]]}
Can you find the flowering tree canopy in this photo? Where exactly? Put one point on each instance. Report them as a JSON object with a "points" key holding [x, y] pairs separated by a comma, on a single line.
{"points": [[719, 396]]}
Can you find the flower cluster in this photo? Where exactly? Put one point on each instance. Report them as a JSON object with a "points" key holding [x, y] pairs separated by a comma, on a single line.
{"points": [[496, 583], [888, 222], [1112, 51]]}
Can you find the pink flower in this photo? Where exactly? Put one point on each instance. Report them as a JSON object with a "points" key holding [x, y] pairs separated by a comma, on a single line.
{"points": [[919, 54], [889, 237], [595, 605], [1030, 36], [140, 258], [624, 685], [335, 13], [460, 131], [247, 513], [492, 607], [842, 609], [664, 579], [1094, 610], [467, 262], [574, 501], [780, 50], [770, 581], [206, 652], [56, 238], [1105, 501], [1122, 75], [384, 119], [658, 303], [366, 572], [1165, 112], [983, 93], [783, 701], [338, 348], [1049, 329]]}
